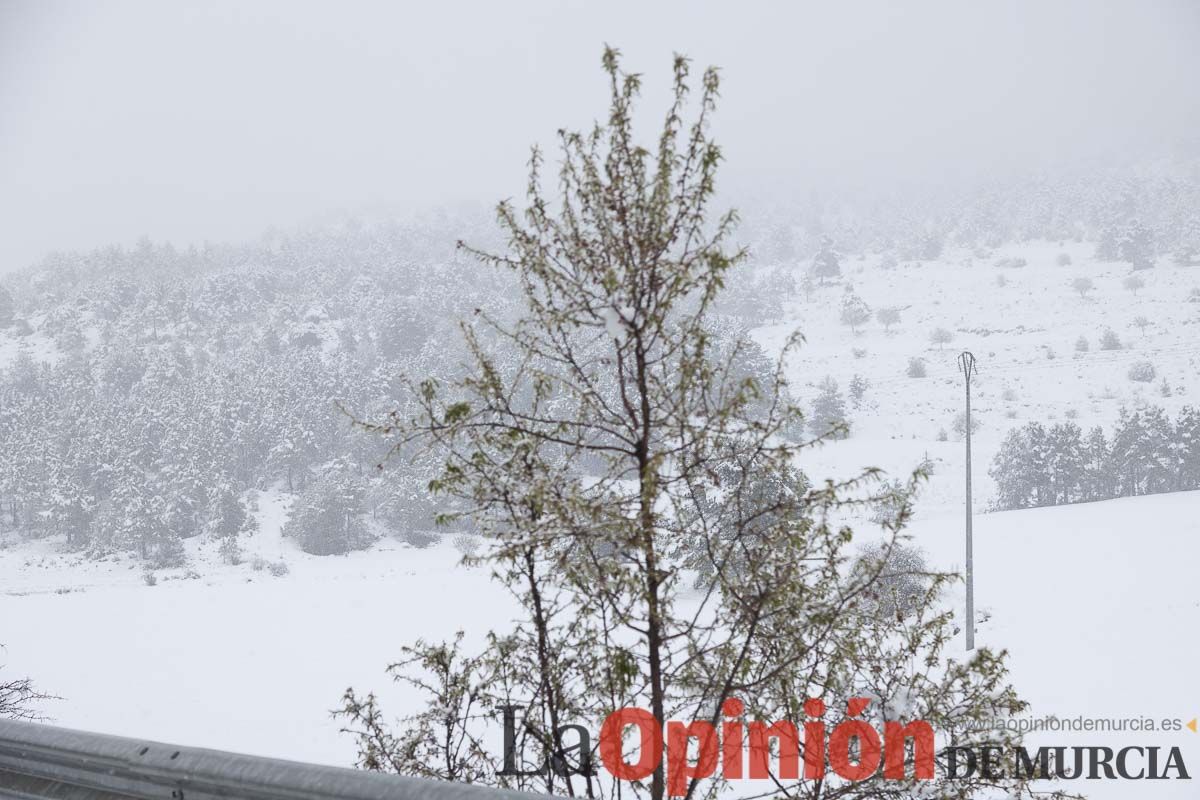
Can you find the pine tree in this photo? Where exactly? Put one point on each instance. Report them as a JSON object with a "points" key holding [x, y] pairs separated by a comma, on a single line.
{"points": [[1099, 477], [1129, 454], [1011, 471], [1187, 449], [328, 517], [1038, 464], [1156, 451], [1067, 463], [1137, 246], [826, 263], [828, 411]]}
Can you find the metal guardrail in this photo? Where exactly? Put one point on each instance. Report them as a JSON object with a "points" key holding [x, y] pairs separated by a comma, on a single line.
{"points": [[42, 761]]}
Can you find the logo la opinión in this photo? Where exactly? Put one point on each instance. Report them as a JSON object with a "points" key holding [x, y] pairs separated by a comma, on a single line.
{"points": [[853, 750]]}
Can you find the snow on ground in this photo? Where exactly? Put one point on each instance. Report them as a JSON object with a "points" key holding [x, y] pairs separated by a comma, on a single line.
{"points": [[1012, 331], [1097, 604]]}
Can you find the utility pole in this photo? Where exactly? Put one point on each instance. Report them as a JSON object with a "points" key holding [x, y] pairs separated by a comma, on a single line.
{"points": [[966, 365]]}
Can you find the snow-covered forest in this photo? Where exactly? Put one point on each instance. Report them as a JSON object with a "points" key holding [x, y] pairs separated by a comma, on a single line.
{"points": [[147, 390]]}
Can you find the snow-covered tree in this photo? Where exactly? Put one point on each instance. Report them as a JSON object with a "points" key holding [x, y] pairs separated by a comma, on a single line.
{"points": [[826, 263], [855, 311], [941, 337], [328, 518], [888, 317], [828, 412], [1137, 246]]}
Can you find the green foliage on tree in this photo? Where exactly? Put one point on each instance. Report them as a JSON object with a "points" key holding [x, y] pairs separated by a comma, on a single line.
{"points": [[613, 458]]}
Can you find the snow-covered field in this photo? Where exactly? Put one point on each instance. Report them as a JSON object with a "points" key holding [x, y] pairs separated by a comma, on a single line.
{"points": [[1098, 604]]}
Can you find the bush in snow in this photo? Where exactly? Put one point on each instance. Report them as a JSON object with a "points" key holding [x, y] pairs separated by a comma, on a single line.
{"points": [[1142, 372], [1081, 345], [1063, 260], [855, 311], [230, 551], [904, 580], [960, 423], [916, 368], [941, 337], [1083, 286], [1109, 340], [466, 544], [1133, 283], [888, 317]]}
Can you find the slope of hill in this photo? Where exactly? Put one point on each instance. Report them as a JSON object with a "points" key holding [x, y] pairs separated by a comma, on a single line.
{"points": [[1025, 337]]}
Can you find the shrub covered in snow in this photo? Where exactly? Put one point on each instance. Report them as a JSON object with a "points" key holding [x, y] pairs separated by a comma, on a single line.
{"points": [[941, 337], [1142, 372], [904, 579]]}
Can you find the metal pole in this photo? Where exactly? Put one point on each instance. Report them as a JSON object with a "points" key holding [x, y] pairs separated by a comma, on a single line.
{"points": [[966, 364]]}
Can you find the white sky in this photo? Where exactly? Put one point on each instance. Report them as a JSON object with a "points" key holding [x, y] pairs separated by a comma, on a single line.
{"points": [[214, 120]]}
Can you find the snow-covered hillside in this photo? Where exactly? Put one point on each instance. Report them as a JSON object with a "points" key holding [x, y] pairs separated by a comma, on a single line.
{"points": [[1096, 603], [1023, 335]]}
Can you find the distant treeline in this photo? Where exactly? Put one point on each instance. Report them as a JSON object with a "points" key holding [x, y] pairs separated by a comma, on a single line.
{"points": [[1147, 453]]}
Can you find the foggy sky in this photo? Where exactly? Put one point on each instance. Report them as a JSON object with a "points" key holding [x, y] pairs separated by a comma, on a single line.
{"points": [[187, 122]]}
